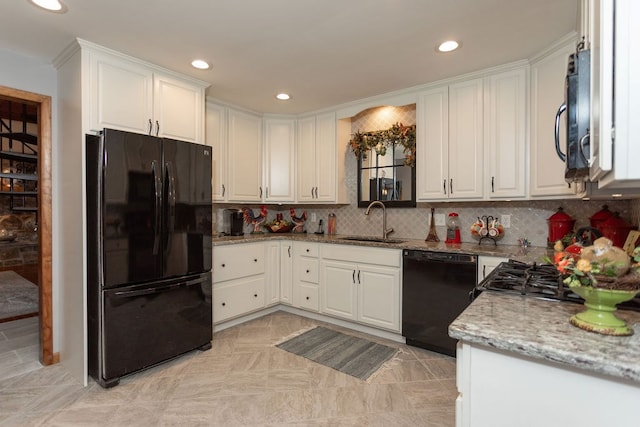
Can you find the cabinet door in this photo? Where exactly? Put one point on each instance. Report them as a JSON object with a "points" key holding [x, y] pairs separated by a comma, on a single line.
{"points": [[339, 289], [432, 139], [505, 121], [216, 138], [325, 158], [466, 140], [238, 297], [486, 264], [306, 156], [245, 157], [379, 296], [178, 109], [121, 94], [286, 273], [272, 272], [547, 95], [279, 160]]}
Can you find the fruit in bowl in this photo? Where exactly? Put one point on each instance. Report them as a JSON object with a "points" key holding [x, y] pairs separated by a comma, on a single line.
{"points": [[279, 226]]}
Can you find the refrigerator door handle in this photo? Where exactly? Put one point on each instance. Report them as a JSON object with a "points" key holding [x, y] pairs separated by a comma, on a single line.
{"points": [[171, 195], [157, 184], [158, 289]]}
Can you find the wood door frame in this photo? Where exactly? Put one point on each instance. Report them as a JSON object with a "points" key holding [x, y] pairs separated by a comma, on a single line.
{"points": [[43, 102]]}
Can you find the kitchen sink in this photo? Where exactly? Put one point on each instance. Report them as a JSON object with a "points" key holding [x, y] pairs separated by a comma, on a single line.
{"points": [[371, 239]]}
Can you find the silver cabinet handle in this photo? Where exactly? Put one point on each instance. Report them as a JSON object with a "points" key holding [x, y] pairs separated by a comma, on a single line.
{"points": [[451, 186], [267, 192], [150, 126], [261, 192], [312, 192], [493, 184], [484, 271], [358, 276], [223, 190], [353, 276], [157, 128], [444, 186], [289, 251]]}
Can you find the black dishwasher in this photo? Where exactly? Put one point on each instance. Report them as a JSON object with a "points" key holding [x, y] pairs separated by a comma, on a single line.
{"points": [[435, 290]]}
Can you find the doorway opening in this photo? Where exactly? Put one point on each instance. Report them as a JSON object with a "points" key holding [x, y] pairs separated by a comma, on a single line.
{"points": [[25, 210]]}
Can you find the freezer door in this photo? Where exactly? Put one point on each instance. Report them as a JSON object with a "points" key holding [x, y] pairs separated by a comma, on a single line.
{"points": [[187, 227], [146, 324]]}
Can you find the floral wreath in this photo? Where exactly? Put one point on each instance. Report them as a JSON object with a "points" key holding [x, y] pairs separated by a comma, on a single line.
{"points": [[362, 142]]}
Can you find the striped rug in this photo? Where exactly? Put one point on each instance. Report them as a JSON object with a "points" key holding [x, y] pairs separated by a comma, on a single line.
{"points": [[351, 355]]}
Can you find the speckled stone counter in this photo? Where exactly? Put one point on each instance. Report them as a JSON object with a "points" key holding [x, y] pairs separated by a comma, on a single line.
{"points": [[528, 255], [540, 329]]}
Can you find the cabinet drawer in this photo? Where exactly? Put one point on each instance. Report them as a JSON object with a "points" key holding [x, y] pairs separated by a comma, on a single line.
{"points": [[309, 297], [361, 254], [308, 270], [305, 249], [238, 298], [236, 261]]}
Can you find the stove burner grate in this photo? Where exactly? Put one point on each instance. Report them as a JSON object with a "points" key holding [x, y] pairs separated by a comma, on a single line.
{"points": [[535, 280]]}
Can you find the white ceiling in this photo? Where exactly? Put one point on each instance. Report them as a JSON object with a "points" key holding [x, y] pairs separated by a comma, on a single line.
{"points": [[323, 52]]}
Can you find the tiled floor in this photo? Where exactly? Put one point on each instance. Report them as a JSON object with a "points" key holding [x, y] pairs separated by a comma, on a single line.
{"points": [[242, 381]]}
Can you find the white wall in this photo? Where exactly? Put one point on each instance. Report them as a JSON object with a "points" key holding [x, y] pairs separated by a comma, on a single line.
{"points": [[38, 76]]}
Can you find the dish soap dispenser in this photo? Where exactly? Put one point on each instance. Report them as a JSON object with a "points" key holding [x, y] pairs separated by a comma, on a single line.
{"points": [[453, 228]]}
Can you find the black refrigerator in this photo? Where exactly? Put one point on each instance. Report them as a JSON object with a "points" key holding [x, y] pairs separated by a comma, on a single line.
{"points": [[149, 240]]}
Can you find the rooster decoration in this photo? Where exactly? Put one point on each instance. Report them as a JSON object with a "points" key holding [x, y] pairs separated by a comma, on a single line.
{"points": [[298, 220], [256, 221]]}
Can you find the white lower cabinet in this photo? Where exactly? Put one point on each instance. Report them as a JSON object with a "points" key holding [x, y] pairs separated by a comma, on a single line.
{"points": [[239, 280], [286, 272], [272, 272], [238, 297], [486, 264], [305, 275], [361, 284], [503, 389]]}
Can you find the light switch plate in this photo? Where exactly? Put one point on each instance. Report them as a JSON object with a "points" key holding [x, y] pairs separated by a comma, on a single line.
{"points": [[439, 219], [313, 217], [505, 220]]}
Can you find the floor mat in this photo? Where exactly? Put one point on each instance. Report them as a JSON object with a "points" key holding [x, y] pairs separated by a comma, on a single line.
{"points": [[351, 355], [18, 296]]}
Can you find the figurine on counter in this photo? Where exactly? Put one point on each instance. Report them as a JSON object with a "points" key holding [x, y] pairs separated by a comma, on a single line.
{"points": [[256, 221], [298, 221]]}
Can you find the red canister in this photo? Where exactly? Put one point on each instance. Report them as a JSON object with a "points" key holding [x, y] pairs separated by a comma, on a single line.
{"points": [[560, 224], [616, 229], [598, 218]]}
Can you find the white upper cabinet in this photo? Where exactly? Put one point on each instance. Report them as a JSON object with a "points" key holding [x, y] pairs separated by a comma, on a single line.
{"points": [[316, 158], [547, 95], [615, 89], [505, 134], [450, 142], [216, 138], [245, 157], [279, 160], [130, 95]]}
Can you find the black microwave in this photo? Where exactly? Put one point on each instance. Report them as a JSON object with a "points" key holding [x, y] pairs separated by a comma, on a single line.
{"points": [[577, 106]]}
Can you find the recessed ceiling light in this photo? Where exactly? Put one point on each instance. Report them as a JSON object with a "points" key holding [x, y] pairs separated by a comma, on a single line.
{"points": [[200, 64], [448, 46], [283, 96], [50, 5]]}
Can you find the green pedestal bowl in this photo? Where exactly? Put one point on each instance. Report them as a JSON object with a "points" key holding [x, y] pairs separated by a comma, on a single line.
{"points": [[600, 313]]}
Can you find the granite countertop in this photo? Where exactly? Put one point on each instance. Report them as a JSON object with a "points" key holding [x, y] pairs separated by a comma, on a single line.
{"points": [[528, 255], [540, 329]]}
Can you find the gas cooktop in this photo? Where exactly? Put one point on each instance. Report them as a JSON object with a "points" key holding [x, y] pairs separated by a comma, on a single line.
{"points": [[535, 280]]}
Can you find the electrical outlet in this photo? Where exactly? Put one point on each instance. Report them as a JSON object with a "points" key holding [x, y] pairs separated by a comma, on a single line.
{"points": [[505, 220], [313, 217], [439, 219]]}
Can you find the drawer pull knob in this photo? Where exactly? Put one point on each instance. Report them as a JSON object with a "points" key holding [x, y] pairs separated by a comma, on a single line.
{"points": [[307, 250], [255, 295], [224, 303], [255, 260], [224, 265], [307, 271], [307, 298]]}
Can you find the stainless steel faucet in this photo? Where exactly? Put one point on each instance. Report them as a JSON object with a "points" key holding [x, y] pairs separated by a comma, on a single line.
{"points": [[385, 231]]}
